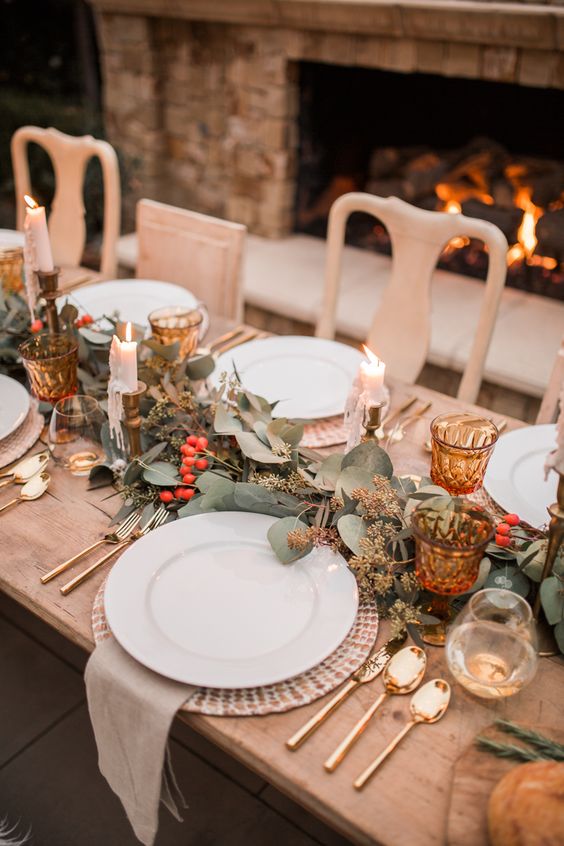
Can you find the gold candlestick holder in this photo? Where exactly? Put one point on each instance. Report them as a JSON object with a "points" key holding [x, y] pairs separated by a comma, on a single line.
{"points": [[555, 539], [372, 422], [132, 420], [49, 286]]}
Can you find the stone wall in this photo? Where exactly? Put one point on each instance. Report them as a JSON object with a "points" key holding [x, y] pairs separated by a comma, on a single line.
{"points": [[204, 113]]}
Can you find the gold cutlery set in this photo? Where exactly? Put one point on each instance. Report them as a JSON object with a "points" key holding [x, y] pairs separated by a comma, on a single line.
{"points": [[403, 670], [126, 533], [31, 475]]}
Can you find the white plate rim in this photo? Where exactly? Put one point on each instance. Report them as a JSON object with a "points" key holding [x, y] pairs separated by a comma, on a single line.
{"points": [[25, 405], [510, 448], [352, 355], [178, 295], [119, 600]]}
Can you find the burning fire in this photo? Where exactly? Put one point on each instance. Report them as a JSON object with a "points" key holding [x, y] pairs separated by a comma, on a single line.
{"points": [[30, 202], [451, 206], [526, 234]]}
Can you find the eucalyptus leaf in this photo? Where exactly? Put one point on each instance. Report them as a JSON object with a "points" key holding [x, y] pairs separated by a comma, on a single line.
{"points": [[253, 497], [508, 578], [167, 351], [353, 477], [126, 509], [200, 367], [330, 470], [194, 506], [100, 476], [154, 452], [225, 423], [552, 599], [259, 429], [161, 473], [371, 458], [215, 494], [352, 529], [278, 537], [133, 472], [206, 479], [559, 635], [253, 448]]}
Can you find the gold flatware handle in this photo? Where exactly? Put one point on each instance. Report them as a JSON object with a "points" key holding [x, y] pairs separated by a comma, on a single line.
{"points": [[12, 502], [416, 415], [241, 339], [6, 482], [308, 728], [74, 583], [371, 769], [226, 337], [403, 407], [346, 745], [67, 564]]}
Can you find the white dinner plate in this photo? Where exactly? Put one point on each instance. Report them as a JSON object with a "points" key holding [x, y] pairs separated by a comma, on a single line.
{"points": [[205, 601], [311, 377], [515, 474], [10, 238], [14, 405], [133, 299]]}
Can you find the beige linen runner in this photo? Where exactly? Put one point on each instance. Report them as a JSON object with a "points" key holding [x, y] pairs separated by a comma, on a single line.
{"points": [[131, 709]]}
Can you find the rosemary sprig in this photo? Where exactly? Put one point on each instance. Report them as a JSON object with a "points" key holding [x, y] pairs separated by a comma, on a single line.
{"points": [[544, 744], [545, 748]]}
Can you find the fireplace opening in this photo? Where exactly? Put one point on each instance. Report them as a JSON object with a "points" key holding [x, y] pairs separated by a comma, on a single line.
{"points": [[489, 150]]}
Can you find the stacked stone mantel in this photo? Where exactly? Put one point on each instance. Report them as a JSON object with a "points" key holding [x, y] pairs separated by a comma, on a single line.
{"points": [[201, 96]]}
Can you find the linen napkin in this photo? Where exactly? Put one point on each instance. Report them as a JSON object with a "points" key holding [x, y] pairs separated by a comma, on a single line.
{"points": [[131, 709]]}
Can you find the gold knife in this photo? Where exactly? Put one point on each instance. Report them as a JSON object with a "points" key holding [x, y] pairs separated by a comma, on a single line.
{"points": [[367, 672]]}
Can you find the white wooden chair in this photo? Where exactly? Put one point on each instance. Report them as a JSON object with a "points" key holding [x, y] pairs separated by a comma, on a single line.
{"points": [[67, 228], [548, 412], [401, 327], [199, 252]]}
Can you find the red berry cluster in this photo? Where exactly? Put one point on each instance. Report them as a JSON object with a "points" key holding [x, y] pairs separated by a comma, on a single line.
{"points": [[85, 320], [503, 530], [36, 326], [192, 460]]}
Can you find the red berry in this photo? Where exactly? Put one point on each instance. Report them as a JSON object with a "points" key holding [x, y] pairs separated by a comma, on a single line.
{"points": [[183, 449], [202, 444], [190, 450], [502, 540], [166, 496], [187, 493], [183, 470], [512, 519], [503, 529], [201, 463], [192, 440], [188, 478], [86, 319], [78, 323], [178, 493], [188, 460], [37, 325]]}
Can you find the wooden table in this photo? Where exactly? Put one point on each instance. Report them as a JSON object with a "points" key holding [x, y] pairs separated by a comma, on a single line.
{"points": [[407, 803]]}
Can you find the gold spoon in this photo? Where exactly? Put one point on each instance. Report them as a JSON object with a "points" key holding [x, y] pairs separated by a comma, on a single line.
{"points": [[32, 489], [24, 470], [427, 706], [402, 675]]}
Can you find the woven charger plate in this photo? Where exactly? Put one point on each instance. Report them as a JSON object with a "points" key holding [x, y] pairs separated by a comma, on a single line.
{"points": [[275, 698], [18, 443]]}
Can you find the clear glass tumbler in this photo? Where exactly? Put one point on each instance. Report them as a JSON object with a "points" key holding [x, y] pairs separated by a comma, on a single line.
{"points": [[491, 646], [74, 434]]}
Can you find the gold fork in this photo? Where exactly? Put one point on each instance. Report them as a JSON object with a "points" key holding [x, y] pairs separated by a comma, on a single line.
{"points": [[119, 534], [380, 434], [398, 432], [154, 522]]}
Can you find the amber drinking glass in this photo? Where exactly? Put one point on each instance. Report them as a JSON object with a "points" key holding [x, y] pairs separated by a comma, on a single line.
{"points": [[11, 269], [449, 545], [176, 323], [461, 448], [51, 362], [75, 434]]}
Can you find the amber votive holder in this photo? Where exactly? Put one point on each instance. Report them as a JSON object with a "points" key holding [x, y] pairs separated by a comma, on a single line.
{"points": [[173, 324], [11, 270], [449, 546], [461, 446], [51, 362]]}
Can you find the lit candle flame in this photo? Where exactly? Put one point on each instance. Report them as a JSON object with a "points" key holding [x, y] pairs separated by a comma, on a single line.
{"points": [[372, 358], [30, 202], [128, 332]]}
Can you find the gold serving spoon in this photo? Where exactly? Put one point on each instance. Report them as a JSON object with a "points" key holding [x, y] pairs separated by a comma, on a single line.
{"points": [[32, 489], [427, 706], [25, 469], [402, 675], [371, 668]]}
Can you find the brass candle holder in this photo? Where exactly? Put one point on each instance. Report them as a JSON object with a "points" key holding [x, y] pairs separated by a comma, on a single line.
{"points": [[132, 420], [49, 286], [372, 422], [555, 539]]}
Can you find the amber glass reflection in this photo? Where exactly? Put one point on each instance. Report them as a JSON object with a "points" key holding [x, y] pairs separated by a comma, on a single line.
{"points": [[461, 445], [449, 546], [11, 270], [51, 362], [174, 323]]}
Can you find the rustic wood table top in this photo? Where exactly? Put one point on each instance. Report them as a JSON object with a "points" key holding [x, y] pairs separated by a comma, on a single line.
{"points": [[408, 801]]}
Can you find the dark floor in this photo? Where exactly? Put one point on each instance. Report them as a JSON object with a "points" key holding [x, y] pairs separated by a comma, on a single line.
{"points": [[49, 779]]}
